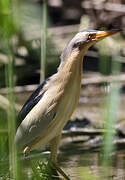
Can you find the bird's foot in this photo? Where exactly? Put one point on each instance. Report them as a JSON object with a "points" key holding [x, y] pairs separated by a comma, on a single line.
{"points": [[26, 151], [60, 171]]}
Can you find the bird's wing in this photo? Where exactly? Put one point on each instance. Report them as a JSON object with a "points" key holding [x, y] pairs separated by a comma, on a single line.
{"points": [[32, 101], [39, 117], [32, 128]]}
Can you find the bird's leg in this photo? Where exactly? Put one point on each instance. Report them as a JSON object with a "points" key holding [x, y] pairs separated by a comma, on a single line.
{"points": [[54, 144]]}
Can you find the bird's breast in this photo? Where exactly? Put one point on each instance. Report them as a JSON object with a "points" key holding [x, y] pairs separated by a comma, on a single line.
{"points": [[69, 83]]}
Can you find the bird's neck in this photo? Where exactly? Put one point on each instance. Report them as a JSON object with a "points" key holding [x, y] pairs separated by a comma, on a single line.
{"points": [[72, 64]]}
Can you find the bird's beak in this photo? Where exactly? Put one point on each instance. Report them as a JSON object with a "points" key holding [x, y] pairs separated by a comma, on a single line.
{"points": [[102, 34]]}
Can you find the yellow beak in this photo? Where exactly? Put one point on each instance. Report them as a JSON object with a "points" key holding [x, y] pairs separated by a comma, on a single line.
{"points": [[102, 34]]}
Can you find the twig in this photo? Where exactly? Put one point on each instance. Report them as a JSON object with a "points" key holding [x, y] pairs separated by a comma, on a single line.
{"points": [[4, 104], [83, 132], [4, 59], [101, 79]]}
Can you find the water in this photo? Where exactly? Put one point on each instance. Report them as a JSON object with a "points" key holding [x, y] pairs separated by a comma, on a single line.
{"points": [[85, 164]]}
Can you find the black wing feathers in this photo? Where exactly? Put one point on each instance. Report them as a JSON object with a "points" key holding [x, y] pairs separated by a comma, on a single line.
{"points": [[31, 102]]}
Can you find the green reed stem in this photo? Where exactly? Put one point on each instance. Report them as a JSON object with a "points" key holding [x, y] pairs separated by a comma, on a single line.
{"points": [[11, 117], [44, 41], [7, 26], [112, 108]]}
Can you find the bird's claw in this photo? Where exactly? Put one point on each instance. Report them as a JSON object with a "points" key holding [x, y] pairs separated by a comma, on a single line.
{"points": [[26, 151]]}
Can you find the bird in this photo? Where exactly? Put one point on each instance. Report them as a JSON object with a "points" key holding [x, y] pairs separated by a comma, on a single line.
{"points": [[51, 105]]}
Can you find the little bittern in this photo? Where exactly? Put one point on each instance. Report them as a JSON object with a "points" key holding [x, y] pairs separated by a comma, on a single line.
{"points": [[51, 105]]}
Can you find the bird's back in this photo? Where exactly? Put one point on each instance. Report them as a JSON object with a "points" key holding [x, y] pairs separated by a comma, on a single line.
{"points": [[31, 102]]}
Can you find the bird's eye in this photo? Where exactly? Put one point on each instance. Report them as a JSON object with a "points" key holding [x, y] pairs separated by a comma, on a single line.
{"points": [[90, 36]]}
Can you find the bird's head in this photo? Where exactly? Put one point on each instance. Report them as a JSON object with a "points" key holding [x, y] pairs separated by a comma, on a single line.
{"points": [[83, 40]]}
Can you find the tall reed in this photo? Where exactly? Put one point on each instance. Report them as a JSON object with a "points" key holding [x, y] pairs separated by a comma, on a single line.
{"points": [[112, 105], [43, 41], [7, 30]]}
